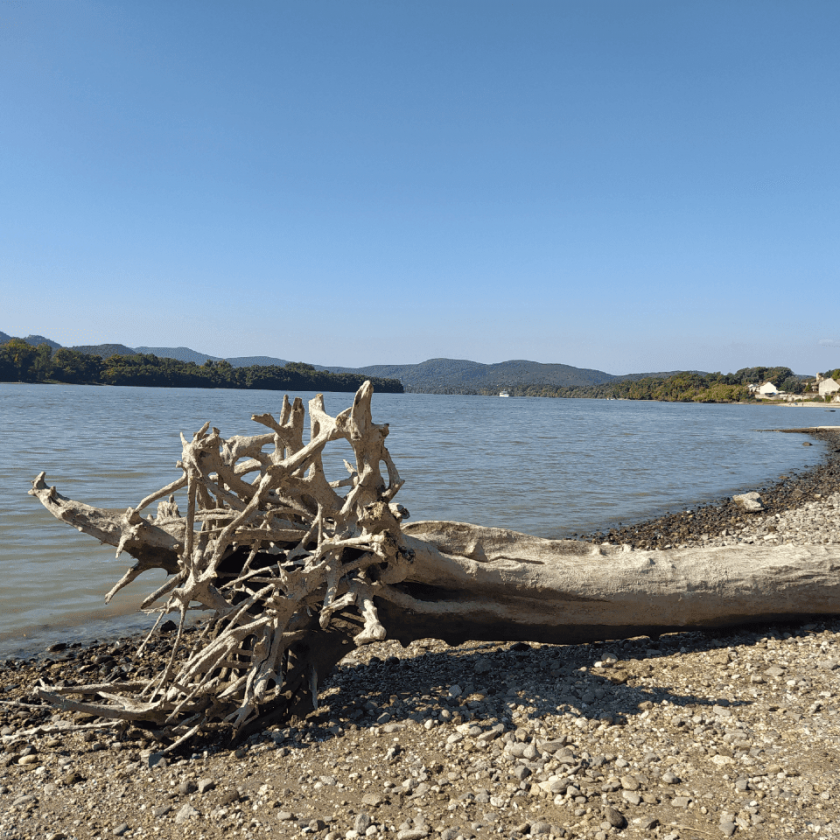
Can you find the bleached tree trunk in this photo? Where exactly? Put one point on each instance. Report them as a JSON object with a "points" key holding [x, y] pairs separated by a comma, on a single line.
{"points": [[297, 574]]}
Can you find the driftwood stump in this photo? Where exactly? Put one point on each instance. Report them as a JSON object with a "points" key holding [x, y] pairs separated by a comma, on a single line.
{"points": [[297, 570]]}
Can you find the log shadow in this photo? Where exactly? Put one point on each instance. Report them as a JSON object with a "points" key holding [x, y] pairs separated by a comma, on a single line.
{"points": [[509, 683]]}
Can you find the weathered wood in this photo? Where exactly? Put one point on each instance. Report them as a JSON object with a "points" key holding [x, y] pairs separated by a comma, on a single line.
{"points": [[297, 570]]}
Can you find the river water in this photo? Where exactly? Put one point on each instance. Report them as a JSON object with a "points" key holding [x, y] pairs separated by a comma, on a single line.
{"points": [[550, 467]]}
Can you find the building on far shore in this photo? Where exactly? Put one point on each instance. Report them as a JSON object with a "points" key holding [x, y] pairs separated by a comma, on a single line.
{"points": [[768, 389], [826, 386]]}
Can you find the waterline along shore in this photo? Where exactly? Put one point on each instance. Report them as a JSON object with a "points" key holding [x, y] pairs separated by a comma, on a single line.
{"points": [[681, 737]]}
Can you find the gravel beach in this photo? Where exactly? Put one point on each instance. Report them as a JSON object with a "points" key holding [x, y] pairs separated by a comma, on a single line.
{"points": [[683, 737]]}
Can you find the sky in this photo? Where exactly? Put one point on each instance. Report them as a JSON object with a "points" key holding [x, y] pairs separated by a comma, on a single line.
{"points": [[627, 186]]}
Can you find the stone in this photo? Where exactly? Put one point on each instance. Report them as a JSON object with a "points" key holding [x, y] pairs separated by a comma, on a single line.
{"points": [[727, 827], [362, 822], [631, 797], [205, 785], [531, 752], [615, 818], [670, 778], [230, 796], [749, 502], [540, 827], [161, 811], [186, 812], [120, 830], [680, 801], [552, 746], [373, 800], [483, 666], [629, 783]]}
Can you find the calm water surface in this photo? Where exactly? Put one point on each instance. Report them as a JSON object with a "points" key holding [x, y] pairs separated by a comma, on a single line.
{"points": [[549, 467]]}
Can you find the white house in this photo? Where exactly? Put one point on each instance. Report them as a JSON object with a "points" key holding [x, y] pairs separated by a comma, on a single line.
{"points": [[828, 386], [768, 389]]}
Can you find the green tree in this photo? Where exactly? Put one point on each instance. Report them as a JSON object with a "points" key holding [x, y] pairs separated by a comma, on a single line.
{"points": [[19, 358]]}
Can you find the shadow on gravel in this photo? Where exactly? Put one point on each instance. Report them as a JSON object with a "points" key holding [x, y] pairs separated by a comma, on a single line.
{"points": [[496, 681]]}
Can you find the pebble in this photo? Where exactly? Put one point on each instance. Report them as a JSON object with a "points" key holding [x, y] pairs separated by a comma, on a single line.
{"points": [[615, 818], [185, 812]]}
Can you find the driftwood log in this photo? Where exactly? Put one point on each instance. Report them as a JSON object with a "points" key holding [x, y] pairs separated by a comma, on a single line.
{"points": [[296, 570]]}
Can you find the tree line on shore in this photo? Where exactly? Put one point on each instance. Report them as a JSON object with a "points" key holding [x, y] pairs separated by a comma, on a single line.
{"points": [[684, 386], [21, 362]]}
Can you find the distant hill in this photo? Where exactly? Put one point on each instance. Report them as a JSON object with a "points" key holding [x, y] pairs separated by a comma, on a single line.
{"points": [[35, 340], [460, 375], [185, 354], [182, 354], [247, 361], [104, 350]]}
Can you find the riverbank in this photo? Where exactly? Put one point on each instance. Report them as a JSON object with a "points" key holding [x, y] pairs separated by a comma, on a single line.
{"points": [[798, 508], [689, 736]]}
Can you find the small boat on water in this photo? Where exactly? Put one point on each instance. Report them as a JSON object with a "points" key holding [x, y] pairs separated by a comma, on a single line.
{"points": [[504, 393]]}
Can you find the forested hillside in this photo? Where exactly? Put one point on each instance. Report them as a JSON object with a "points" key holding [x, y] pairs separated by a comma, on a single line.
{"points": [[459, 376], [21, 362]]}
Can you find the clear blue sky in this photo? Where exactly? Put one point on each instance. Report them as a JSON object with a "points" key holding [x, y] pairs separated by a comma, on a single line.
{"points": [[629, 186]]}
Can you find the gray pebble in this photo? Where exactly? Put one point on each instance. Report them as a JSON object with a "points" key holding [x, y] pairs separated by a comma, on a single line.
{"points": [[615, 818], [205, 785], [521, 772], [186, 812], [120, 830], [25, 801]]}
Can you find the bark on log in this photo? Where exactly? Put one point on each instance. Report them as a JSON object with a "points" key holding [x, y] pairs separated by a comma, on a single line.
{"points": [[296, 574]]}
